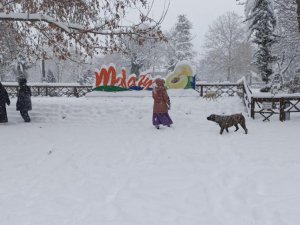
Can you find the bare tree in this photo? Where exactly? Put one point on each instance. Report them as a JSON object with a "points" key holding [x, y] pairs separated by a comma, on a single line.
{"points": [[227, 48]]}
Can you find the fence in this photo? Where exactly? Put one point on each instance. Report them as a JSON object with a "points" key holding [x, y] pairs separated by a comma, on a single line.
{"points": [[74, 90], [53, 90], [264, 104], [267, 104], [220, 89], [246, 94]]}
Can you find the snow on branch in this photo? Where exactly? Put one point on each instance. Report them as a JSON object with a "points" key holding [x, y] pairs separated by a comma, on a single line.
{"points": [[38, 17], [76, 28], [88, 26]]}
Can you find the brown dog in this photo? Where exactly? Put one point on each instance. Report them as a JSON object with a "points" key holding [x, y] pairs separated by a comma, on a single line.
{"points": [[228, 121]]}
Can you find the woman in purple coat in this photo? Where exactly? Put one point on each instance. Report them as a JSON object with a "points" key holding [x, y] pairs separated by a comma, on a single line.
{"points": [[161, 105]]}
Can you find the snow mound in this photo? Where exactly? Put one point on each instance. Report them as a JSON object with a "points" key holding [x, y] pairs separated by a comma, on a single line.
{"points": [[171, 93]]}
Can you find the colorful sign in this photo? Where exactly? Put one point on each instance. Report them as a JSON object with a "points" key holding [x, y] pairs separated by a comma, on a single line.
{"points": [[108, 80]]}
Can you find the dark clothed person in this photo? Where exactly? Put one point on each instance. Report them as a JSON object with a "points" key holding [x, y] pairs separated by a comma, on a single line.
{"points": [[24, 100], [161, 105], [4, 100]]}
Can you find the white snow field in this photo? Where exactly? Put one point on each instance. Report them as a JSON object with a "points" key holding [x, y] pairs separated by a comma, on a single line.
{"points": [[99, 161]]}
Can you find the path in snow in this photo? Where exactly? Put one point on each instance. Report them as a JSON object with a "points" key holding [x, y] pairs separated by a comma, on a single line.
{"points": [[99, 161]]}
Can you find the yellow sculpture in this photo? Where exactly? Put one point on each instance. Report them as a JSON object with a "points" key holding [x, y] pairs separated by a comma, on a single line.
{"points": [[181, 77]]}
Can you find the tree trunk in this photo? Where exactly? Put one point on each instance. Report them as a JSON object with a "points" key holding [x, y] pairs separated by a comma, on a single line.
{"points": [[298, 13], [43, 71], [228, 74]]}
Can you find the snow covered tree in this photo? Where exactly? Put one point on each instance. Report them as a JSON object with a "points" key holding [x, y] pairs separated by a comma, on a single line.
{"points": [[227, 49], [135, 65], [262, 22], [50, 77], [70, 70], [181, 40], [184, 46], [9, 51], [170, 50], [142, 54], [288, 42], [287, 46], [22, 64], [87, 78], [294, 85], [92, 26], [298, 13]]}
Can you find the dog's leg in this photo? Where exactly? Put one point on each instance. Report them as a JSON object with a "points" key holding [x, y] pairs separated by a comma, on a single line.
{"points": [[236, 127], [221, 131], [243, 124], [227, 129]]}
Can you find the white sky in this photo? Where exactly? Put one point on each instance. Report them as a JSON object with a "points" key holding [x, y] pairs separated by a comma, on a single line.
{"points": [[200, 12]]}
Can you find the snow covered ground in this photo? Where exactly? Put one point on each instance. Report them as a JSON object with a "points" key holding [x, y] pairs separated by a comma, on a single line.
{"points": [[99, 161]]}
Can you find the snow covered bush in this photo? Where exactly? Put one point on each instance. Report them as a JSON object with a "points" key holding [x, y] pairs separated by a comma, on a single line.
{"points": [[294, 85]]}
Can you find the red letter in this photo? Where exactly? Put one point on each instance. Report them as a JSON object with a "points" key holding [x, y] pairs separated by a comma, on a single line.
{"points": [[104, 75], [121, 81], [131, 81]]}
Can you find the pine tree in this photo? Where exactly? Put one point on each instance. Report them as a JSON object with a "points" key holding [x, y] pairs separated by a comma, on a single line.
{"points": [[262, 25], [136, 65], [50, 77], [86, 78], [183, 38], [22, 64]]}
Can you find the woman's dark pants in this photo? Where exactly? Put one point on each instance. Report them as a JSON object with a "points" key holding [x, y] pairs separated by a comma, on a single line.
{"points": [[25, 116]]}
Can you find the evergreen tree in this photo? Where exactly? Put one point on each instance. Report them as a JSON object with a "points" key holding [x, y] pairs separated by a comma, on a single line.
{"points": [[262, 25], [183, 38], [136, 65], [170, 50], [22, 64], [86, 78], [50, 77]]}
